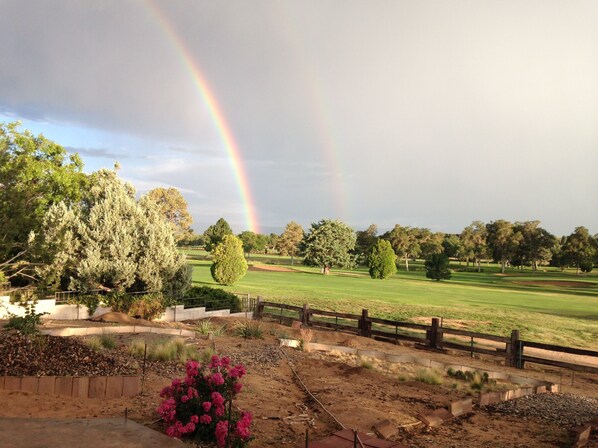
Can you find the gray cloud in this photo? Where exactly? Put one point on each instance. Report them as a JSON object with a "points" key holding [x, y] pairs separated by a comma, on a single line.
{"points": [[424, 113]]}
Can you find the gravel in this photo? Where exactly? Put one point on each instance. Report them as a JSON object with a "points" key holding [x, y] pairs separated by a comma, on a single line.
{"points": [[561, 409]]}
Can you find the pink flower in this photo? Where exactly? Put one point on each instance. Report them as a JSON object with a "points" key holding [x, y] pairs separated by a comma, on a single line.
{"points": [[225, 361], [221, 432], [238, 371], [206, 405], [195, 419], [219, 412], [205, 419], [217, 379], [215, 362], [217, 399], [184, 398], [237, 387], [189, 427]]}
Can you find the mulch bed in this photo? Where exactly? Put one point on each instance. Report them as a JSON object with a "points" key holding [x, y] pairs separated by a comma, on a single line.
{"points": [[42, 355]]}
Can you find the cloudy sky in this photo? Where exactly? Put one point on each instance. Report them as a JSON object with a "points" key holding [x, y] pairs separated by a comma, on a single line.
{"points": [[423, 113]]}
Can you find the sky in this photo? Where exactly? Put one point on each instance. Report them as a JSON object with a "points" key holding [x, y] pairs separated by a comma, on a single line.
{"points": [[420, 113]]}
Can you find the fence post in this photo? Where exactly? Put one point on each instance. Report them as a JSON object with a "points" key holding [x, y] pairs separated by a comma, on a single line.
{"points": [[259, 309], [435, 335], [365, 325], [305, 314], [514, 354]]}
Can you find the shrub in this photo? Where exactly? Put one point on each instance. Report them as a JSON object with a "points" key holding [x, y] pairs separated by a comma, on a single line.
{"points": [[204, 326], [213, 298], [94, 343], [28, 323], [107, 341], [437, 267], [249, 329], [137, 347], [428, 376], [382, 260], [168, 350], [229, 262], [148, 306], [200, 406], [366, 365], [586, 266]]}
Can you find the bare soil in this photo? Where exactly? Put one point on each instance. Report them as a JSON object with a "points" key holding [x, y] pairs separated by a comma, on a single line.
{"points": [[561, 284], [358, 396], [271, 268]]}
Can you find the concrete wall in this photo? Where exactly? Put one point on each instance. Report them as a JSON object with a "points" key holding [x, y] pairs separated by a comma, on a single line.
{"points": [[76, 312]]}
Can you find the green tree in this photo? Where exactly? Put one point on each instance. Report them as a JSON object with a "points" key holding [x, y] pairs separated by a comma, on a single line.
{"points": [[229, 264], [253, 242], [473, 239], [579, 248], [437, 267], [382, 260], [430, 243], [35, 173], [451, 245], [173, 207], [109, 241], [216, 233], [404, 242], [366, 239], [537, 244], [503, 241], [329, 243], [289, 241]]}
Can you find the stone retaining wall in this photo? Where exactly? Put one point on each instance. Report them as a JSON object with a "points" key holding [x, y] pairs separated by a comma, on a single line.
{"points": [[74, 386]]}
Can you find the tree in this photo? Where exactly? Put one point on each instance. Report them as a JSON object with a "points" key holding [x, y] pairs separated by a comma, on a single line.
{"points": [[109, 241], [216, 233], [579, 248], [503, 241], [35, 173], [437, 267], [253, 242], [173, 206], [329, 243], [429, 243], [229, 264], [451, 245], [288, 242], [382, 260], [537, 244], [473, 239], [404, 242], [366, 239]]}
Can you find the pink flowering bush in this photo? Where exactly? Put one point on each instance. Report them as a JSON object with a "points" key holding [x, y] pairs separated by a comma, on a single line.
{"points": [[198, 406]]}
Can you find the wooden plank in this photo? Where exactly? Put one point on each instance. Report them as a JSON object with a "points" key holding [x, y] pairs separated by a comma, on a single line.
{"points": [[395, 323], [559, 348], [567, 365], [284, 306], [334, 314], [468, 348], [404, 337], [473, 334]]}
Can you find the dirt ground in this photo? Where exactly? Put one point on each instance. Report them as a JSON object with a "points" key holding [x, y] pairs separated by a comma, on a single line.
{"points": [[359, 396]]}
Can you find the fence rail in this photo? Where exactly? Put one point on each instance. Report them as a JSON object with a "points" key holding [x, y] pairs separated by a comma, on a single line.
{"points": [[511, 349]]}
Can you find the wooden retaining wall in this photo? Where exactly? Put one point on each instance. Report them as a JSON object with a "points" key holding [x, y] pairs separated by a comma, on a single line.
{"points": [[74, 386]]}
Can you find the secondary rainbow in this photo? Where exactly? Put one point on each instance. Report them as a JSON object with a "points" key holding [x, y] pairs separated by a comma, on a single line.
{"points": [[215, 112]]}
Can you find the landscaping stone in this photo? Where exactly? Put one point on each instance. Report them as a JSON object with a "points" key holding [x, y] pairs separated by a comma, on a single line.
{"points": [[540, 389], [490, 398], [130, 386], [97, 387], [80, 387], [443, 414], [46, 385], [385, 429], [29, 384], [114, 387], [12, 383], [64, 386], [432, 420], [582, 436], [458, 408]]}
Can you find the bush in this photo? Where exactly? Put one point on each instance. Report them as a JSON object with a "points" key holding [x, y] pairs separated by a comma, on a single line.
{"points": [[168, 350], [250, 329], [28, 323], [94, 343], [381, 260], [428, 376], [137, 347], [213, 298], [148, 306], [200, 406], [437, 267], [229, 262], [586, 266]]}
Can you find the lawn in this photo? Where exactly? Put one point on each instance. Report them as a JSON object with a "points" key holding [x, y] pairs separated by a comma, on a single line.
{"points": [[549, 306]]}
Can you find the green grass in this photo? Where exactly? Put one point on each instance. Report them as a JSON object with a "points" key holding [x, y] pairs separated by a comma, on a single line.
{"points": [[485, 302]]}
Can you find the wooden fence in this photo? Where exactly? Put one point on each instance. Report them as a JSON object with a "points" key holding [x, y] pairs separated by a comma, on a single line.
{"points": [[433, 336]]}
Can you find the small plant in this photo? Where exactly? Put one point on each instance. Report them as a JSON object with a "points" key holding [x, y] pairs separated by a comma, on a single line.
{"points": [[169, 350], [107, 341], [205, 326], [94, 343], [307, 335], [402, 377], [28, 323], [366, 365], [200, 407], [189, 352], [477, 381], [428, 376], [249, 329], [137, 347]]}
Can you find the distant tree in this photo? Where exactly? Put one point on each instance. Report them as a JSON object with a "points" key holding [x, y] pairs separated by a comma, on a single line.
{"points": [[586, 266], [579, 248], [289, 241], [328, 244], [451, 245], [473, 240], [366, 239], [216, 233], [35, 173], [253, 242], [404, 242], [430, 243], [503, 241], [271, 243], [437, 267], [173, 207], [229, 264], [537, 244], [382, 260]]}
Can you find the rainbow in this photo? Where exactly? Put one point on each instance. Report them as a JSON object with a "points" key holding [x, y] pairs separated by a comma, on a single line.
{"points": [[209, 100]]}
